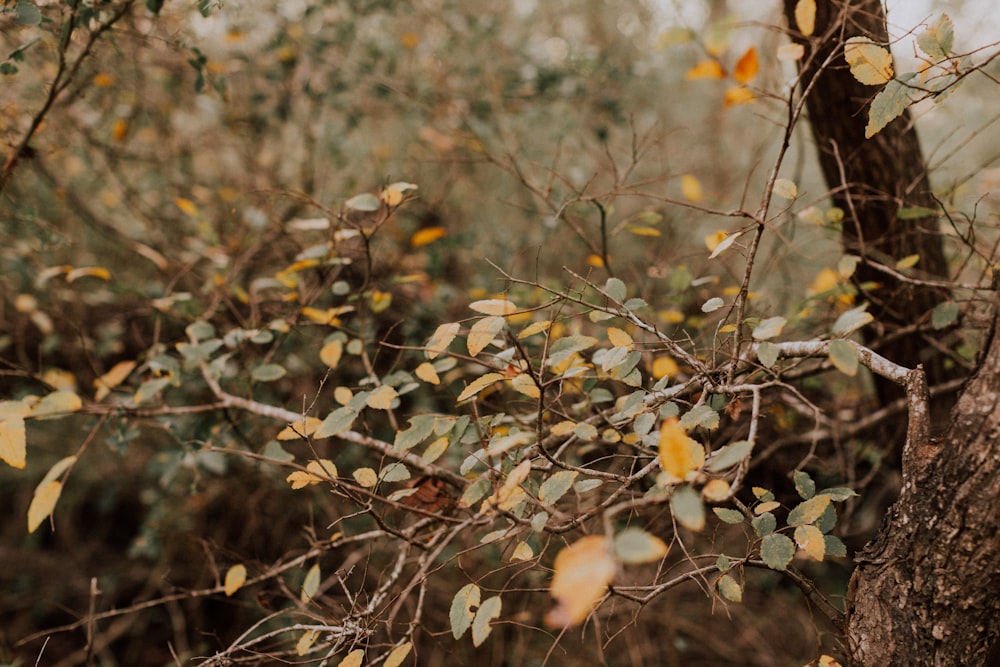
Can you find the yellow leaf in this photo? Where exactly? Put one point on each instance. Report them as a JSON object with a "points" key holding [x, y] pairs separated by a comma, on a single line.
{"points": [[716, 490], [310, 585], [102, 80], [426, 236], [620, 338], [299, 479], [393, 193], [84, 271], [664, 366], [563, 428], [494, 307], [306, 641], [534, 328], [303, 427], [805, 16], [679, 454], [330, 353], [525, 384], [706, 69], [187, 206], [522, 552], [382, 398], [119, 130], [482, 333], [343, 395], [713, 240], [118, 373], [785, 189], [478, 385], [810, 540], [42, 503], [380, 300], [236, 576], [824, 281], [13, 441], [908, 262], [366, 477], [737, 95], [581, 574], [642, 230], [691, 188], [353, 659], [441, 339], [747, 66], [57, 404], [870, 63], [790, 52], [595, 261], [426, 372], [398, 655], [767, 506], [435, 449]]}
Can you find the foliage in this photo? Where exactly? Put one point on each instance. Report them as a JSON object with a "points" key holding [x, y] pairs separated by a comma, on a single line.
{"points": [[223, 311]]}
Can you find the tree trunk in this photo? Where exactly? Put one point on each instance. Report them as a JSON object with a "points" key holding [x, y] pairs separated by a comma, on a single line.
{"points": [[871, 180]]}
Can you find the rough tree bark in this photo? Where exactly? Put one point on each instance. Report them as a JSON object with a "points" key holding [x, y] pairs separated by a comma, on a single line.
{"points": [[926, 591], [871, 180]]}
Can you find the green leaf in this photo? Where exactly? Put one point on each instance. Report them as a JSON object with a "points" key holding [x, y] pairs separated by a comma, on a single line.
{"points": [[777, 551], [474, 492], [827, 521], [148, 390], [336, 422], [729, 588], [556, 486], [154, 6], [634, 546], [421, 426], [688, 508], [564, 348], [944, 314], [764, 524], [804, 484], [852, 320], [727, 515], [767, 354], [488, 610], [723, 564], [199, 331], [26, 13], [268, 373], [839, 493], [463, 607], [615, 289], [728, 456], [915, 212], [394, 472], [834, 546], [769, 328], [700, 415], [844, 356], [887, 106], [938, 39], [585, 485], [808, 511]]}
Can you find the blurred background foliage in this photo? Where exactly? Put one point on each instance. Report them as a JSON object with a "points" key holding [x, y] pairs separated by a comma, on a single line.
{"points": [[196, 154]]}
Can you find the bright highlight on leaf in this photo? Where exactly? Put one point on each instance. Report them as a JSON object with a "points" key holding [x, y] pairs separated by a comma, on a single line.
{"points": [[620, 338], [805, 16], [582, 572], [236, 576], [870, 63], [57, 404], [747, 66], [523, 383]]}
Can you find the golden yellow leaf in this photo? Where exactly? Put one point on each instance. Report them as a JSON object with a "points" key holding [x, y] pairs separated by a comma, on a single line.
{"points": [[581, 574], [382, 398], [810, 539], [426, 372], [353, 659], [870, 63], [13, 441], [785, 189], [114, 377], [57, 404], [304, 427], [306, 641], [42, 503], [366, 477], [478, 385], [643, 230], [706, 69], [824, 281], [330, 353], [620, 338], [790, 52], [522, 552], [300, 479], [187, 206], [715, 490], [525, 384], [398, 655], [805, 16], [322, 467], [737, 95], [92, 271], [713, 240], [236, 576], [691, 188], [747, 66], [426, 236], [534, 328], [343, 395], [679, 454], [767, 506], [102, 80], [119, 130], [482, 333], [393, 193], [441, 339], [664, 366], [563, 428], [494, 307]]}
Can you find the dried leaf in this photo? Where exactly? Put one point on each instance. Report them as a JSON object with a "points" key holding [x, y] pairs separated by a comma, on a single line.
{"points": [[870, 63]]}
